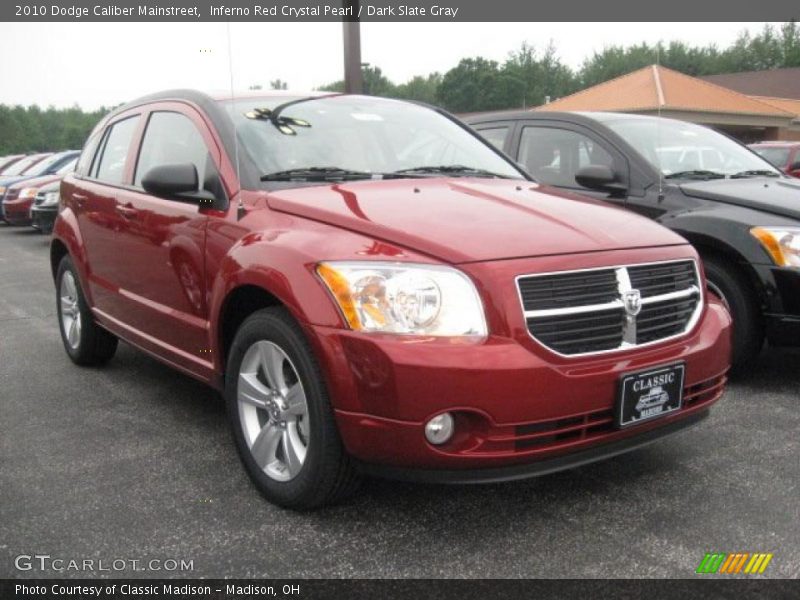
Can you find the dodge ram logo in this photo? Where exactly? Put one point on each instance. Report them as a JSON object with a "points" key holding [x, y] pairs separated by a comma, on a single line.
{"points": [[632, 299]]}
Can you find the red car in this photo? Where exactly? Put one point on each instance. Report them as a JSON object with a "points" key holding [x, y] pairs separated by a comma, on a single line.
{"points": [[377, 290], [19, 197], [784, 155]]}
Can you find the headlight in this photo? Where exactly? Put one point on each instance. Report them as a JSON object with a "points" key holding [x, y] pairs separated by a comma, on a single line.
{"points": [[405, 299], [28, 192], [782, 244], [50, 199], [2, 190]]}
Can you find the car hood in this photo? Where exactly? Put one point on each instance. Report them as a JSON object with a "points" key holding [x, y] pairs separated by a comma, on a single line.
{"points": [[776, 196], [467, 220], [12, 179]]}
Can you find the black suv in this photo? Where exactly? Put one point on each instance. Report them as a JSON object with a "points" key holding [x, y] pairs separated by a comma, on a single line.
{"points": [[741, 213]]}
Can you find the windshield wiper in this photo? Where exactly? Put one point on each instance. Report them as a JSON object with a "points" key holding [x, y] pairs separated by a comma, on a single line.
{"points": [[455, 170], [325, 174], [755, 173], [695, 174]]}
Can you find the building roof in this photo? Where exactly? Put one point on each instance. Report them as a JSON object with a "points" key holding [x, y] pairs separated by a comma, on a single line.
{"points": [[777, 83], [656, 88], [787, 104]]}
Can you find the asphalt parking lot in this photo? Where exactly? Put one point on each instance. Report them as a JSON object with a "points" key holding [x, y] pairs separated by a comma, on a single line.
{"points": [[135, 462]]}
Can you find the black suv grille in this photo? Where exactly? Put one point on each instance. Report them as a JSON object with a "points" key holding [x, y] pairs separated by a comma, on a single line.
{"points": [[607, 309]]}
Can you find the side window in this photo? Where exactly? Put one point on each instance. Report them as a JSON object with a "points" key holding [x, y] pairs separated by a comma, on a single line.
{"points": [[495, 136], [553, 156], [87, 156], [110, 166], [171, 138]]}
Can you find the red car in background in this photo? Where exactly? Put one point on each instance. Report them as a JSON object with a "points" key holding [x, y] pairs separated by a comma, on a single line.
{"points": [[784, 155], [19, 197]]}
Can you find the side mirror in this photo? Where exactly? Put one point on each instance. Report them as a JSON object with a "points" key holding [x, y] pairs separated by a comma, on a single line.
{"points": [[599, 177], [178, 182], [171, 180]]}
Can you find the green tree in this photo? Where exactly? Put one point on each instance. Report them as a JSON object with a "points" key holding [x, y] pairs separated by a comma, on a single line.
{"points": [[420, 88], [478, 84], [278, 84]]}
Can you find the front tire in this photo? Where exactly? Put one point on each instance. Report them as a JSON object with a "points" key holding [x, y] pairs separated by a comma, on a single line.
{"points": [[728, 283], [84, 340], [281, 417]]}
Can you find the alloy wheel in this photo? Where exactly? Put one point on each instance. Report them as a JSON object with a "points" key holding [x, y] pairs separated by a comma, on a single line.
{"points": [[70, 310], [273, 410]]}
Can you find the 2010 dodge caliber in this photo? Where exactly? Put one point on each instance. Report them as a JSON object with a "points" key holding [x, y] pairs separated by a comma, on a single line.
{"points": [[377, 290]]}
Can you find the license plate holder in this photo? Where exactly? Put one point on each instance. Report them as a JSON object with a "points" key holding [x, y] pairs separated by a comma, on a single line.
{"points": [[650, 394]]}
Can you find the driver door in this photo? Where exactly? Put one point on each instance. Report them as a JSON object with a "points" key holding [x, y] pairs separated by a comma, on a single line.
{"points": [[162, 281]]}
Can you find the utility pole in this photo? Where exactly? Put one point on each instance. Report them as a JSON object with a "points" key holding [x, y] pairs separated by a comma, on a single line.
{"points": [[353, 78]]}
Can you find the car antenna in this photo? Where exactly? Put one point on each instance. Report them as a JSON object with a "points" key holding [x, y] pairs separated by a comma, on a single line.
{"points": [[240, 210], [660, 100]]}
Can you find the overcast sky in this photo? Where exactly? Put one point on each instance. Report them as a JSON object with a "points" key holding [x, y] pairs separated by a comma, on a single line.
{"points": [[103, 64]]}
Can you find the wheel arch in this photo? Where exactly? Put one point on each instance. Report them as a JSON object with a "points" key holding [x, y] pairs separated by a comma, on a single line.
{"points": [[240, 302]]}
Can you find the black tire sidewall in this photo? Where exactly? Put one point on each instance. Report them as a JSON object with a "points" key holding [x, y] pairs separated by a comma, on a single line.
{"points": [[748, 332], [303, 491], [76, 354]]}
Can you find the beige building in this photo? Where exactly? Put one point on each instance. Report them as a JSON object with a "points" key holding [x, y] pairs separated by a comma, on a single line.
{"points": [[656, 90]]}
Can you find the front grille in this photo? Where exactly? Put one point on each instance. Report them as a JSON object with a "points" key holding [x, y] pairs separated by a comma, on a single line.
{"points": [[612, 308], [653, 280], [570, 289]]}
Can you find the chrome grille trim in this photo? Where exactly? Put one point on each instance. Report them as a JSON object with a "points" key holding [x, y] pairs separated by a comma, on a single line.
{"points": [[629, 326]]}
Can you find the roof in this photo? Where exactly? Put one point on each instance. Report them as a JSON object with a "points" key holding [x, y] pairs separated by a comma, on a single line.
{"points": [[787, 104], [780, 83], [656, 88], [774, 144]]}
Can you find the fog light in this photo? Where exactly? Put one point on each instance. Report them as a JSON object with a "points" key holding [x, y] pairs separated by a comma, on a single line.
{"points": [[439, 429]]}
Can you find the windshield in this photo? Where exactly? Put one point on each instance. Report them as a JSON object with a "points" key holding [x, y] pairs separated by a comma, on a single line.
{"points": [[360, 135], [68, 167], [777, 156], [675, 148], [42, 167], [18, 167]]}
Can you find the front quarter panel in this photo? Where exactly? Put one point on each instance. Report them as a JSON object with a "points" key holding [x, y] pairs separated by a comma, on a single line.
{"points": [[279, 254]]}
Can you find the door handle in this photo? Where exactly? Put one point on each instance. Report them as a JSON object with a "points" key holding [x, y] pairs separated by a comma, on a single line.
{"points": [[126, 210], [79, 198]]}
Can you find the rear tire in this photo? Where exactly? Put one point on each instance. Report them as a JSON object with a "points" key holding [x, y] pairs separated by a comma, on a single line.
{"points": [[727, 282], [281, 417], [84, 340]]}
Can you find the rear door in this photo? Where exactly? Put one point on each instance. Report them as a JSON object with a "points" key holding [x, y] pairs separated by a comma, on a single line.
{"points": [[162, 278], [102, 172]]}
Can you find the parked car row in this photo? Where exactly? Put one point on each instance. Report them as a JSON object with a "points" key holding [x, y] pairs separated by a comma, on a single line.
{"points": [[24, 177]]}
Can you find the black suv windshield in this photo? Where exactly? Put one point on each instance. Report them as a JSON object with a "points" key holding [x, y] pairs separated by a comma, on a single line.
{"points": [[357, 135], [681, 149]]}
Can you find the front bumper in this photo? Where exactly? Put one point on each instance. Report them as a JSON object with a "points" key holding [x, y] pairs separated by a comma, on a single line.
{"points": [[43, 218], [782, 315], [18, 212], [513, 407], [538, 468]]}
